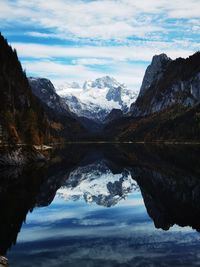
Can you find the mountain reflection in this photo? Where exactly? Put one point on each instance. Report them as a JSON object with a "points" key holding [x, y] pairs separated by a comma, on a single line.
{"points": [[168, 178], [96, 183]]}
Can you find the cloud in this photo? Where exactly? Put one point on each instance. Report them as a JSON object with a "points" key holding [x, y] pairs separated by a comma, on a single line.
{"points": [[58, 70], [60, 73], [126, 63], [142, 51], [79, 40], [100, 19], [41, 34], [91, 61]]}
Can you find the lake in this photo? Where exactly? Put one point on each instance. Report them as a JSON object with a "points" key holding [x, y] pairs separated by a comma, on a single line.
{"points": [[103, 205]]}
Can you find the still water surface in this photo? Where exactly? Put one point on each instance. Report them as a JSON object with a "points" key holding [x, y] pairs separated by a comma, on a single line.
{"points": [[104, 206]]}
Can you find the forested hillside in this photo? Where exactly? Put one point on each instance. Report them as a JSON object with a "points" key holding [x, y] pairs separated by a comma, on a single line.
{"points": [[23, 118]]}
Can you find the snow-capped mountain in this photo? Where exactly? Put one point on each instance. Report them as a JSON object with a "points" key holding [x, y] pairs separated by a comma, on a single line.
{"points": [[96, 183], [96, 99]]}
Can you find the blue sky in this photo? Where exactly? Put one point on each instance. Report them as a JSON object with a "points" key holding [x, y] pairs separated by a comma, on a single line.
{"points": [[78, 40]]}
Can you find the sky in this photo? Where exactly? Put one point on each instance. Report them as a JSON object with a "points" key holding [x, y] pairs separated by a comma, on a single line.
{"points": [[78, 40]]}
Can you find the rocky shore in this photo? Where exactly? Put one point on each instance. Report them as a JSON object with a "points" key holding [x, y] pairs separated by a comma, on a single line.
{"points": [[20, 156], [3, 262]]}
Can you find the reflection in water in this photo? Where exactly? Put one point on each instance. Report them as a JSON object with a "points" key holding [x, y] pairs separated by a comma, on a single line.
{"points": [[73, 225], [96, 183]]}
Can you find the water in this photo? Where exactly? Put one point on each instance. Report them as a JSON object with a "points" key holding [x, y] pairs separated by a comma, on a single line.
{"points": [[103, 206]]}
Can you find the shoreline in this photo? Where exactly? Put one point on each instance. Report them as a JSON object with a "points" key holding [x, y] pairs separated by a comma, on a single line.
{"points": [[47, 147]]}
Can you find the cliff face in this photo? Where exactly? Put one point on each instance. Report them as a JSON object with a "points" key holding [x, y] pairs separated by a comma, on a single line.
{"points": [[168, 105], [168, 82], [45, 91], [154, 72]]}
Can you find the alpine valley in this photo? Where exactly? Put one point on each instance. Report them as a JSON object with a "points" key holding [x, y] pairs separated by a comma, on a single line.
{"points": [[167, 107]]}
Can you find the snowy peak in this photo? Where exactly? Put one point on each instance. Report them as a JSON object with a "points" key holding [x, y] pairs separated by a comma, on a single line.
{"points": [[88, 85], [102, 83], [75, 85], [65, 88], [107, 82], [97, 98]]}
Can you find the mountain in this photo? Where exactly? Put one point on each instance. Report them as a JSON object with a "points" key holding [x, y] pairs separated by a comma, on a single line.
{"points": [[168, 82], [96, 99], [45, 91], [114, 115], [72, 126], [168, 105]]}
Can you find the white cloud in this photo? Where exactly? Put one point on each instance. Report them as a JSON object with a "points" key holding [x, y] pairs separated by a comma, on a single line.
{"points": [[110, 26], [60, 73], [118, 61], [91, 61], [100, 19], [142, 51], [41, 34]]}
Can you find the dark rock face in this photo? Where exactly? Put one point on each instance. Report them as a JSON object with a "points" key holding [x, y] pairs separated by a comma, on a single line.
{"points": [[113, 115], [154, 71], [168, 83], [45, 91], [115, 95]]}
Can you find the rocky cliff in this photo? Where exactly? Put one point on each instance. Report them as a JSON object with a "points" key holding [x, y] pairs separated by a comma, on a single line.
{"points": [[168, 105], [45, 91], [168, 82]]}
